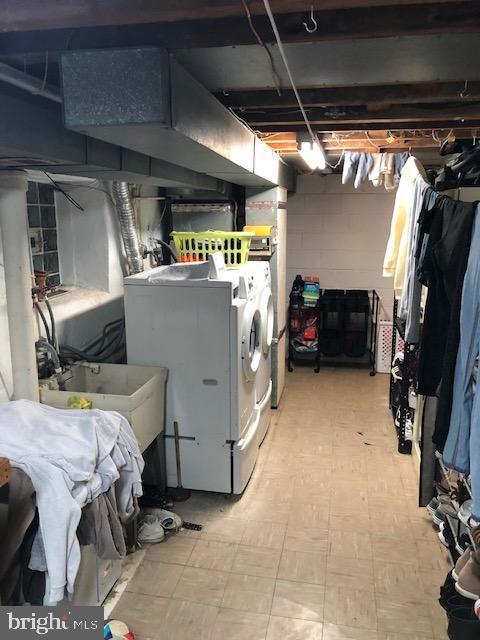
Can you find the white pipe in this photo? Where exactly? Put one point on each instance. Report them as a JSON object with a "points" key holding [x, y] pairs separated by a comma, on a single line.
{"points": [[18, 283], [29, 83]]}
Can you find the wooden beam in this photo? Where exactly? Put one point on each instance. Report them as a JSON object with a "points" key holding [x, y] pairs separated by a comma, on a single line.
{"points": [[338, 24], [429, 92], [473, 124], [31, 15], [351, 115]]}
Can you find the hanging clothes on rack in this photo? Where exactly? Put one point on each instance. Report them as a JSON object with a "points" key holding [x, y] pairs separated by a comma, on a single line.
{"points": [[409, 308], [387, 170], [462, 448], [446, 265], [375, 174], [405, 207]]}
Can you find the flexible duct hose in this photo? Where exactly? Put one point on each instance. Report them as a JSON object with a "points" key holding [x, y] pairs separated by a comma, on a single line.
{"points": [[126, 216]]}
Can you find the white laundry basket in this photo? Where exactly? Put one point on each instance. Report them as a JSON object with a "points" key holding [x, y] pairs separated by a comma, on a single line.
{"points": [[384, 345]]}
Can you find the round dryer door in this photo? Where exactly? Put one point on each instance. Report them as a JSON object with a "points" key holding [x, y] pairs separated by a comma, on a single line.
{"points": [[267, 315], [251, 341]]}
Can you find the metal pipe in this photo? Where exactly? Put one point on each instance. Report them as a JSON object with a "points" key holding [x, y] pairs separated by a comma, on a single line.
{"points": [[18, 283], [126, 216], [29, 83]]}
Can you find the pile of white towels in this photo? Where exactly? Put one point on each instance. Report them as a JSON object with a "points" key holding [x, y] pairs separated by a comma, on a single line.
{"points": [[71, 457]]}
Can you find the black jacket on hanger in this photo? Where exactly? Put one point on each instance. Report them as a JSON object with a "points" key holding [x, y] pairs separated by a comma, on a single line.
{"points": [[444, 269]]}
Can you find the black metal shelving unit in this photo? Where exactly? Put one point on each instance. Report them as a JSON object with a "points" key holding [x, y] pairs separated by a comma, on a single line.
{"points": [[346, 325], [301, 315]]}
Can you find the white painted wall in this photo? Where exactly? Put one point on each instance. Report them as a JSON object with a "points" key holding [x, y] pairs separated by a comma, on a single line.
{"points": [[340, 234]]}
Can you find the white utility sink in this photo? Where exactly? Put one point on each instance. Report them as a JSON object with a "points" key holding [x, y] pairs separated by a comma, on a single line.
{"points": [[137, 392]]}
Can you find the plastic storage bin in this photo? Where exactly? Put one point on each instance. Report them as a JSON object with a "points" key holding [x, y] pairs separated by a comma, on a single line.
{"points": [[355, 323], [196, 247], [137, 392], [331, 308]]}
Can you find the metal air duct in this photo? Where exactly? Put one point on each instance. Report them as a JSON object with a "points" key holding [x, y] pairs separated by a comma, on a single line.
{"points": [[126, 216]]}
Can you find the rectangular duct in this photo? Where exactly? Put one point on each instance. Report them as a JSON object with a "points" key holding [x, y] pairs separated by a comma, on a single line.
{"points": [[142, 99]]}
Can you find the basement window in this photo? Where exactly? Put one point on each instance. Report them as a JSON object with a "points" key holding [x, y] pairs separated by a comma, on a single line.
{"points": [[42, 223]]}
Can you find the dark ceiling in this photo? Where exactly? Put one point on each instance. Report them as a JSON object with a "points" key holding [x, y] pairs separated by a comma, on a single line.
{"points": [[368, 64]]}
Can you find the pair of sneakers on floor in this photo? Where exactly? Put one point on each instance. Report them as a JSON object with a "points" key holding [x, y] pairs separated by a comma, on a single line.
{"points": [[467, 570], [155, 524]]}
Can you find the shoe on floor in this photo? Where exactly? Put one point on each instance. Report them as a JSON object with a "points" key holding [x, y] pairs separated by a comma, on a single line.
{"points": [[465, 512], [461, 562], [170, 521], [438, 517], [150, 530], [432, 506], [468, 583]]}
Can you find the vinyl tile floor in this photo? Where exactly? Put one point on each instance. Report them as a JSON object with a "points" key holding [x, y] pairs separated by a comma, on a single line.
{"points": [[326, 543]]}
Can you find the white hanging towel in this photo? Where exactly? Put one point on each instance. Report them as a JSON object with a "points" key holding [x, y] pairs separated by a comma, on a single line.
{"points": [[375, 174], [387, 169]]}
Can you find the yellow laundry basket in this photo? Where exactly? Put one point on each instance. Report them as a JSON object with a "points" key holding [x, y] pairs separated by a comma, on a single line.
{"points": [[196, 247]]}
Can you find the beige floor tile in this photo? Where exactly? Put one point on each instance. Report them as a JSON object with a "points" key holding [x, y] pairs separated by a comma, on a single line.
{"points": [[302, 567], [210, 554], [394, 550], [336, 632], [350, 544], [307, 540], [224, 530], [183, 617], [360, 523], [201, 585], [175, 549], [411, 618], [256, 561], [249, 593], [349, 572], [298, 600], [264, 534], [240, 625], [388, 505], [268, 511], [398, 581], [432, 556], [349, 607], [391, 525], [309, 516], [332, 522], [389, 635], [291, 629], [155, 578], [144, 614]]}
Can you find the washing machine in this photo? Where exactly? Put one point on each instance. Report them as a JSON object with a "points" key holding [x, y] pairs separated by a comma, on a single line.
{"points": [[208, 333], [263, 382]]}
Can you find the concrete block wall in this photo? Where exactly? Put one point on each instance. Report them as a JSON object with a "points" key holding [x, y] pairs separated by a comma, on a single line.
{"points": [[340, 234]]}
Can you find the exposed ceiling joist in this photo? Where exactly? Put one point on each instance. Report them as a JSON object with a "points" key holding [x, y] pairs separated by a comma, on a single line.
{"points": [[337, 24], [406, 125], [31, 15], [428, 92], [351, 115]]}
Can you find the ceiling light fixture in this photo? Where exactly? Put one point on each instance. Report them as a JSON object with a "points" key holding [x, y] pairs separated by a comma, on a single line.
{"points": [[312, 153], [316, 145]]}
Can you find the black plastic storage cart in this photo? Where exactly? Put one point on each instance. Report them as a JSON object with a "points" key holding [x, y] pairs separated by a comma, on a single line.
{"points": [[346, 330]]}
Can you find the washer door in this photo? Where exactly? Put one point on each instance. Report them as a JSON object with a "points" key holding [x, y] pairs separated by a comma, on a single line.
{"points": [[251, 341], [267, 315]]}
